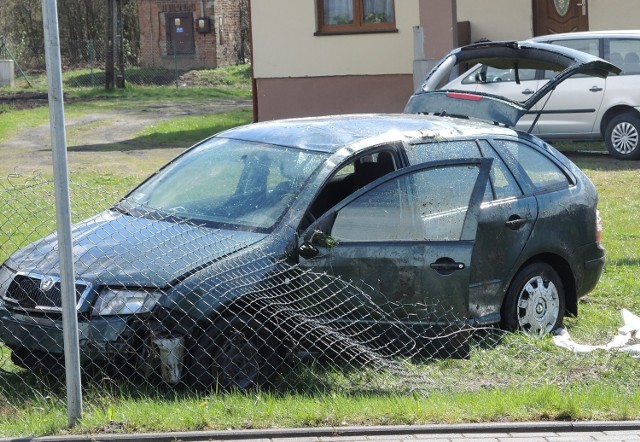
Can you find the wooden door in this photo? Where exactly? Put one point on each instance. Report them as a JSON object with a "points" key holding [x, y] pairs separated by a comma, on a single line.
{"points": [[556, 16]]}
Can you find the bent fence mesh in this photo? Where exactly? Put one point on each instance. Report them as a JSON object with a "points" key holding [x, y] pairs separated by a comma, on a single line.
{"points": [[176, 310]]}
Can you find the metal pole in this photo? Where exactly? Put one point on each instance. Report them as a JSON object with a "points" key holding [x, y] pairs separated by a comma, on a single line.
{"points": [[63, 211]]}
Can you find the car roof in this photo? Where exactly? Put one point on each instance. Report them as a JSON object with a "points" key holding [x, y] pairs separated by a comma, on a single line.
{"points": [[588, 34], [330, 133]]}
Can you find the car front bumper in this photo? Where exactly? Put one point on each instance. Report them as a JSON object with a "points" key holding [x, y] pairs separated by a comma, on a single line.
{"points": [[122, 341]]}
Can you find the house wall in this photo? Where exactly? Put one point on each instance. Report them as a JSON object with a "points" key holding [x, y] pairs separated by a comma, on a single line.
{"points": [[498, 19], [300, 74], [605, 15], [515, 18]]}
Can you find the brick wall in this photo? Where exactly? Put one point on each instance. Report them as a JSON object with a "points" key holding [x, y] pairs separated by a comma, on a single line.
{"points": [[218, 47]]}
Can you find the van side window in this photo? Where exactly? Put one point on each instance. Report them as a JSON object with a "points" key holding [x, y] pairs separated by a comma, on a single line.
{"points": [[588, 45], [624, 53]]}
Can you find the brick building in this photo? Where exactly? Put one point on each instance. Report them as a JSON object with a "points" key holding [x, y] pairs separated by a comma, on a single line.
{"points": [[194, 33]]}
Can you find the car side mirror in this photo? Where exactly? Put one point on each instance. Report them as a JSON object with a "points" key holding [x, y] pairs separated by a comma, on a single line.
{"points": [[308, 250]]}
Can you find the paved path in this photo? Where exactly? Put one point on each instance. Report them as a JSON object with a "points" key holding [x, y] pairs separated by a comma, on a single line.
{"points": [[493, 432]]}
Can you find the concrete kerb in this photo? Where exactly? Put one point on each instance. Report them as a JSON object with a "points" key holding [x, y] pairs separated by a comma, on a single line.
{"points": [[391, 430]]}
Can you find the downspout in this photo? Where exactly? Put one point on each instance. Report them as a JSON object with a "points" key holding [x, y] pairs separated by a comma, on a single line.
{"points": [[151, 45], [254, 85]]}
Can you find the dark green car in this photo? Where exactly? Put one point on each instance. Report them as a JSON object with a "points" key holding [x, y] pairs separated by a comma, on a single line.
{"points": [[298, 234]]}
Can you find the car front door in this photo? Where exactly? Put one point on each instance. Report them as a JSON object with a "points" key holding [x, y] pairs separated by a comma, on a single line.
{"points": [[399, 249]]}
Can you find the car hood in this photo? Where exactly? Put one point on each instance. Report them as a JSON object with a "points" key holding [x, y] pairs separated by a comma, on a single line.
{"points": [[506, 55], [123, 250]]}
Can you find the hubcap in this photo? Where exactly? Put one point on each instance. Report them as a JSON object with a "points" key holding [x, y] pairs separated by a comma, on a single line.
{"points": [[624, 138], [538, 306]]}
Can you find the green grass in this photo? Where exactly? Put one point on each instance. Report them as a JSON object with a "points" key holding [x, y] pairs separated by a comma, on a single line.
{"points": [[193, 128]]}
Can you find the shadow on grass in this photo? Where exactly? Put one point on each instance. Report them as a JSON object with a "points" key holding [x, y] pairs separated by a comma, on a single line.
{"points": [[181, 139]]}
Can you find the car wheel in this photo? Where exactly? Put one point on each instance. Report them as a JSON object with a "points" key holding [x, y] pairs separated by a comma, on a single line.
{"points": [[622, 137], [234, 353], [535, 300]]}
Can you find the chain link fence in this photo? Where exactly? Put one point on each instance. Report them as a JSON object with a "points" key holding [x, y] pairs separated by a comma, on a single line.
{"points": [[170, 304]]}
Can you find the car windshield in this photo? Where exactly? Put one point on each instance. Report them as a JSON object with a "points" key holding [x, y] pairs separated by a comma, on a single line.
{"points": [[233, 183]]}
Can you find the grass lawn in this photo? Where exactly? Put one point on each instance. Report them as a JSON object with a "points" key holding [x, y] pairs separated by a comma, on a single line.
{"points": [[518, 379]]}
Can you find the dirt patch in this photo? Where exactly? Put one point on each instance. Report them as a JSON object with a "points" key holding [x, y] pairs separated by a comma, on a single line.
{"points": [[104, 141], [23, 99]]}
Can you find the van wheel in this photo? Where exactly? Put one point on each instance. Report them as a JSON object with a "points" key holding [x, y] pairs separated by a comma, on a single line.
{"points": [[622, 136], [535, 300], [235, 353]]}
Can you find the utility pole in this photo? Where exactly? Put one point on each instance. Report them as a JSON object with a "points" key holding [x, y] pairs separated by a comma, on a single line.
{"points": [[114, 42], [109, 45], [63, 212]]}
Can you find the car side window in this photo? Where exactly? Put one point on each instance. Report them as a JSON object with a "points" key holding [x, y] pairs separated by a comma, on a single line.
{"points": [[442, 150], [426, 205], [624, 53], [503, 183], [588, 45], [488, 74], [542, 171], [350, 177]]}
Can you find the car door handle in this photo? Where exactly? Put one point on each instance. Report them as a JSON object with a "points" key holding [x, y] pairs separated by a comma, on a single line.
{"points": [[595, 89], [515, 222], [528, 92], [447, 264]]}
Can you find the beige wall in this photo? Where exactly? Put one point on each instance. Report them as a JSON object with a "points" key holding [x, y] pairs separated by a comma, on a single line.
{"points": [[498, 19], [513, 19], [285, 31], [606, 15]]}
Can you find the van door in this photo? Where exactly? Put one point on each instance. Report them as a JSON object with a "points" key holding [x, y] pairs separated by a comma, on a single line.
{"points": [[573, 106]]}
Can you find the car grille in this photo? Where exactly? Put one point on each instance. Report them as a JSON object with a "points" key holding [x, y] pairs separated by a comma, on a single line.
{"points": [[31, 292]]}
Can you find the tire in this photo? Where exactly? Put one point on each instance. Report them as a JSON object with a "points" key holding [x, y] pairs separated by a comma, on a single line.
{"points": [[235, 353], [622, 136], [535, 301]]}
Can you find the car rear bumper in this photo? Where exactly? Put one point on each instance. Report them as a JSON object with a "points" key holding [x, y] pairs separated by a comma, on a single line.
{"points": [[593, 265]]}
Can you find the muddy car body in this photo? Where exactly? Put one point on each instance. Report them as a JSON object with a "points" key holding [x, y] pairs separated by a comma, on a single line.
{"points": [[213, 268]]}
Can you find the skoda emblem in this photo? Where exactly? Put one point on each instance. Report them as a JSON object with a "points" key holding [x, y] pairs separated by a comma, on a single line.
{"points": [[562, 6], [46, 284]]}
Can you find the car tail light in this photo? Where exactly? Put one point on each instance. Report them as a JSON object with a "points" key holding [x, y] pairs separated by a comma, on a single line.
{"points": [[464, 96], [598, 228]]}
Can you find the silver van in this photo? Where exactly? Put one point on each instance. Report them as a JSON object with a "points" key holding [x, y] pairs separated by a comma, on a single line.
{"points": [[582, 107]]}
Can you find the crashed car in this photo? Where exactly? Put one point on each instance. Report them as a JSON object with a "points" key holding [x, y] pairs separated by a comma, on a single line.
{"points": [[220, 264]]}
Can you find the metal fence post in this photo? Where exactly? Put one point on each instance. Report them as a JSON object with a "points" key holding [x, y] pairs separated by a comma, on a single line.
{"points": [[63, 211], [91, 61]]}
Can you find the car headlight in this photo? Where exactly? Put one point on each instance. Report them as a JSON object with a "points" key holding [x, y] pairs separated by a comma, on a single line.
{"points": [[125, 302]]}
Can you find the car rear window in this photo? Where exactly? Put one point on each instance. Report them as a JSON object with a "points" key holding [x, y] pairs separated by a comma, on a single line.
{"points": [[541, 170]]}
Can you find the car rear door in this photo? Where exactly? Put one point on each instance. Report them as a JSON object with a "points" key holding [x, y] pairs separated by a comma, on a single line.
{"points": [[399, 249]]}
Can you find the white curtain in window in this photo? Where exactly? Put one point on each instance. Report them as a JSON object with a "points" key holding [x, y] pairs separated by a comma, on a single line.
{"points": [[338, 12], [378, 11]]}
